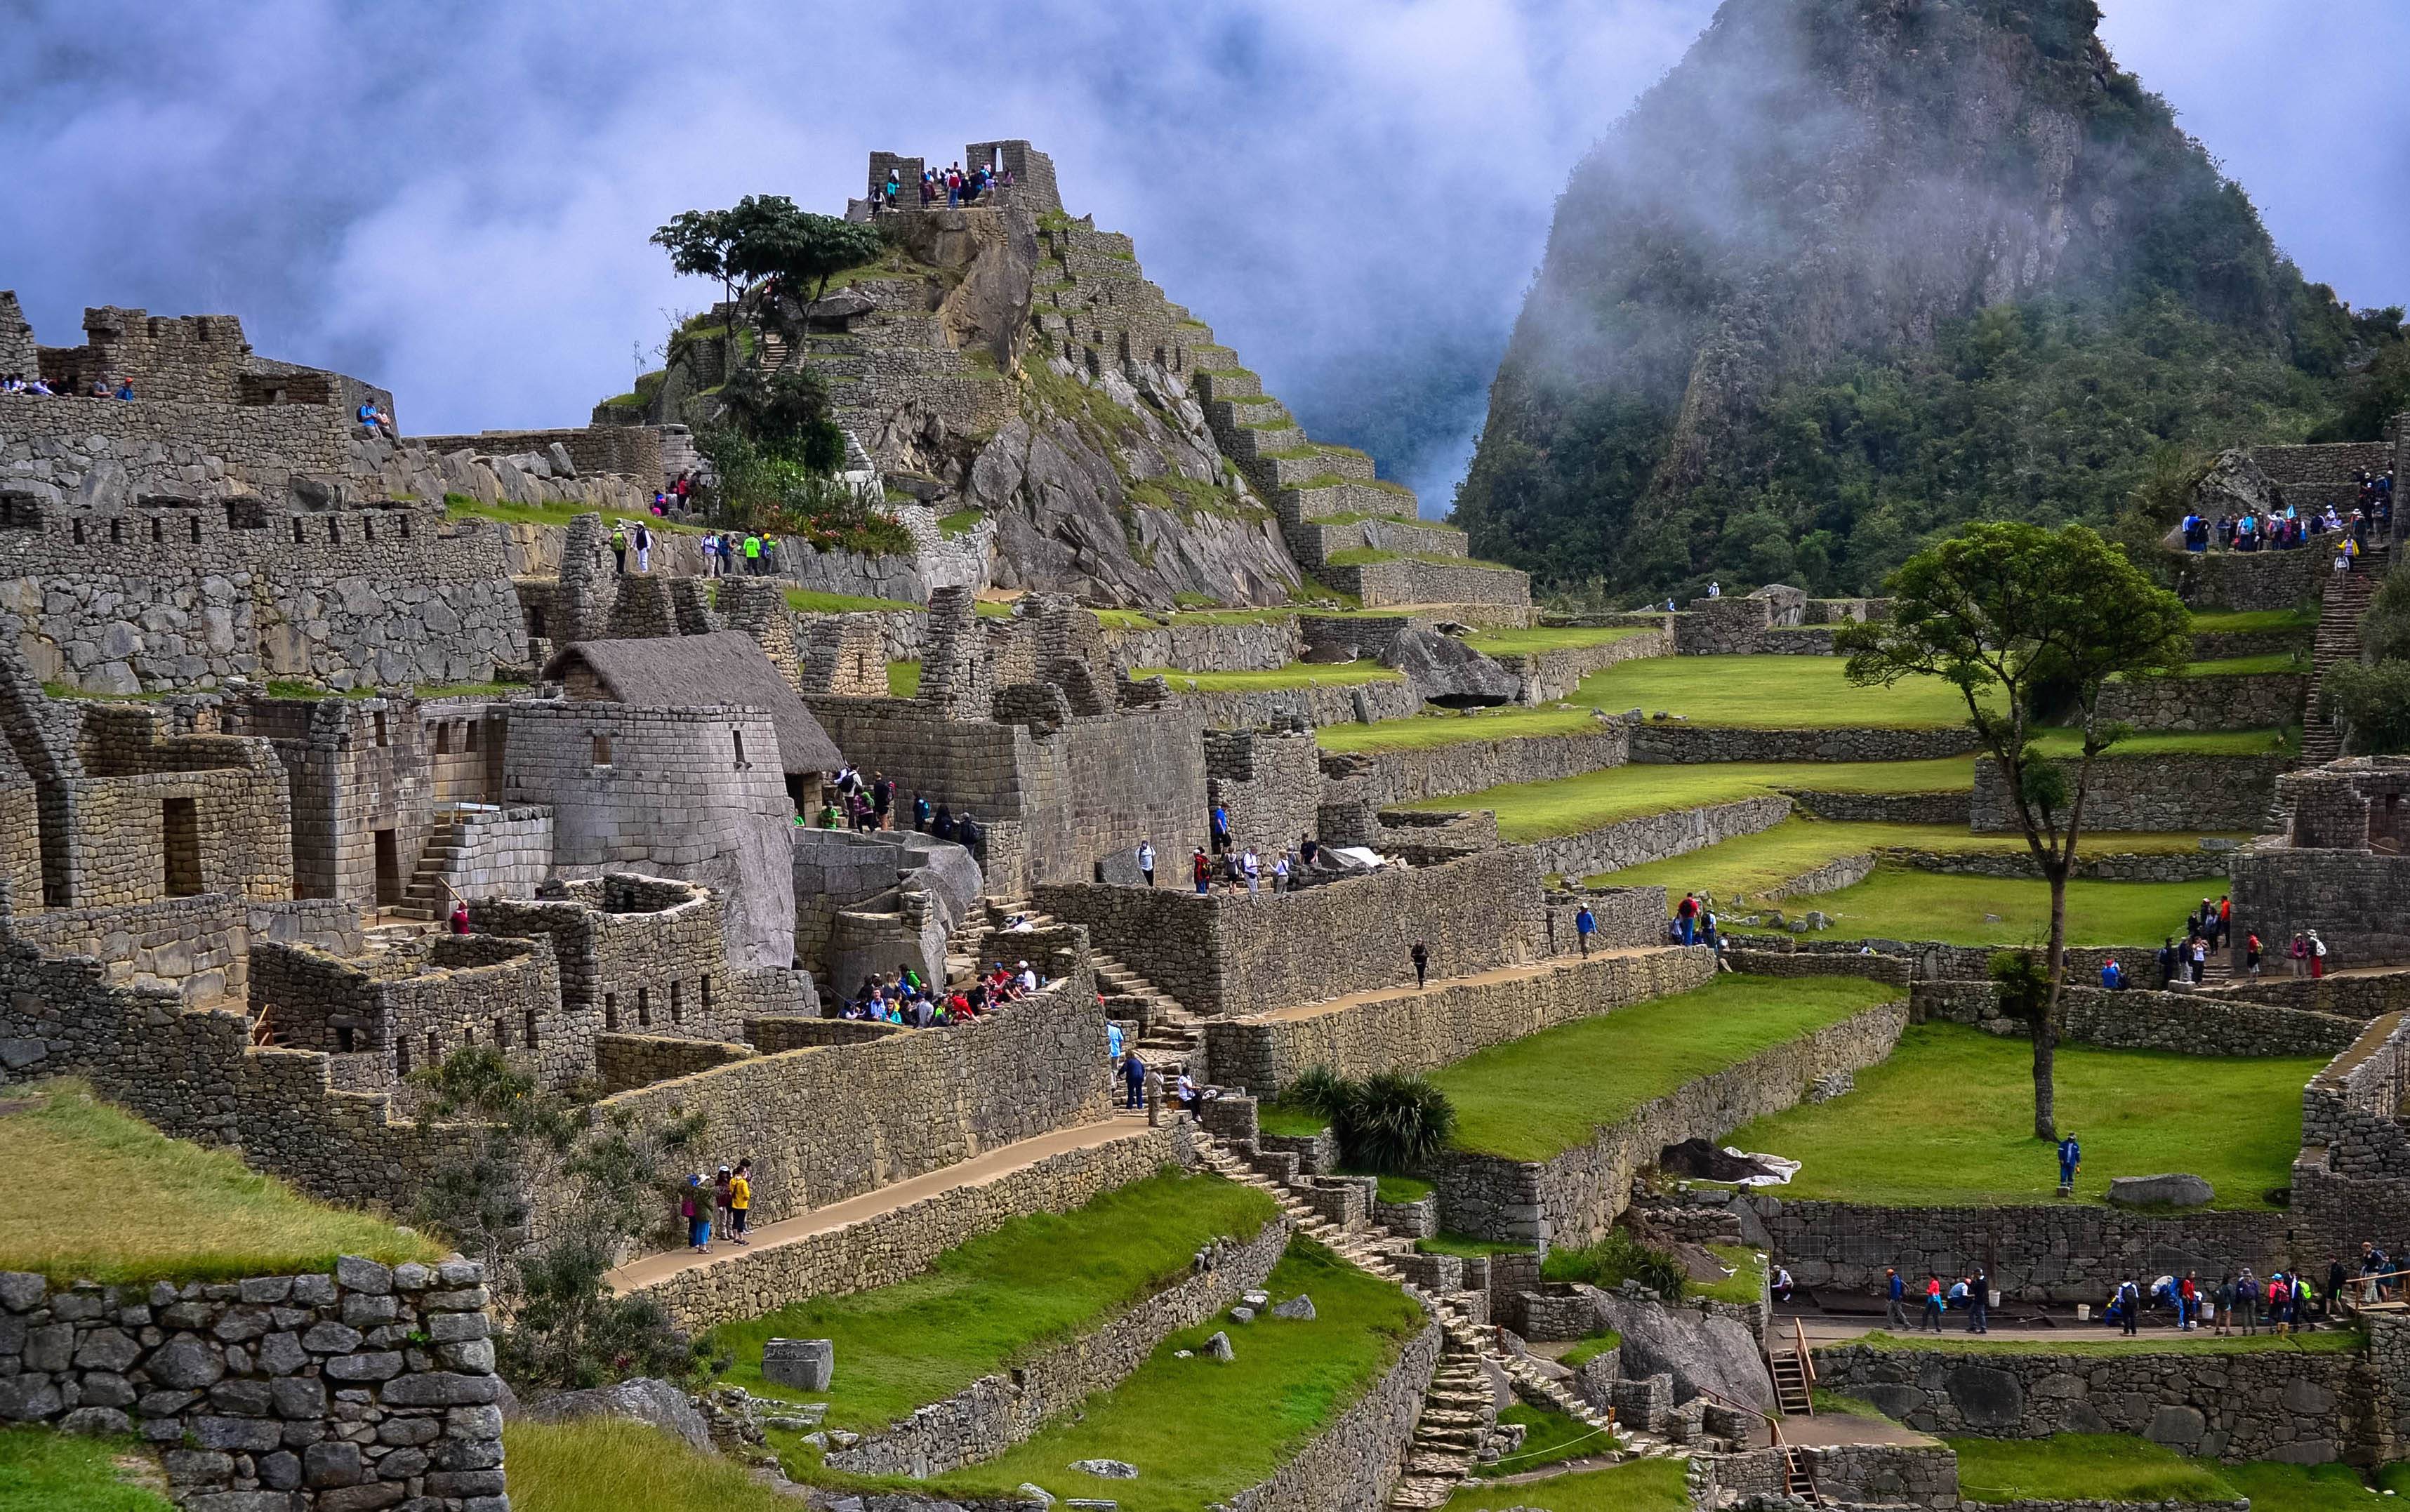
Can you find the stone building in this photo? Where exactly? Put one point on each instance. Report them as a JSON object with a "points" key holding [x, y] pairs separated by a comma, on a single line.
{"points": [[2336, 865]]}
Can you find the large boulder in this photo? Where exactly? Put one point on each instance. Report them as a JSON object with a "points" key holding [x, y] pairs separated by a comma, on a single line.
{"points": [[1448, 672], [2168, 1191], [2233, 486], [1702, 1353], [642, 1400]]}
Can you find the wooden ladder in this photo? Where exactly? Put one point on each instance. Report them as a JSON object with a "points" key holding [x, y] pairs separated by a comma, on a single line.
{"points": [[1794, 1374], [1799, 1481]]}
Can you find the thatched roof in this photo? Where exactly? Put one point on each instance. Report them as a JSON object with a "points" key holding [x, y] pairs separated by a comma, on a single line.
{"points": [[725, 667]]}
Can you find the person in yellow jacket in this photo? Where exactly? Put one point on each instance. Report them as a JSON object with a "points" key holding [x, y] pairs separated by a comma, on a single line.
{"points": [[740, 1199]]}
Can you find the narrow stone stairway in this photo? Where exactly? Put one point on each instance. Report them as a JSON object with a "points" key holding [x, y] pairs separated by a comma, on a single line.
{"points": [[1458, 1415], [424, 897], [2343, 600], [1172, 1036]]}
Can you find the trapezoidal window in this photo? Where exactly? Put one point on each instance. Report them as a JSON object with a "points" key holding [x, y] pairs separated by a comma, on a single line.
{"points": [[644, 1007], [179, 836], [738, 737], [602, 750], [244, 513], [20, 512], [443, 737], [529, 1041]]}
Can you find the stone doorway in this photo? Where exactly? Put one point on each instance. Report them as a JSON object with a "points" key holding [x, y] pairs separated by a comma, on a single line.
{"points": [[180, 835]]}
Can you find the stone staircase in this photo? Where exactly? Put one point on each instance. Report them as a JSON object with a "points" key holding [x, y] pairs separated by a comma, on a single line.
{"points": [[428, 897], [1170, 1036], [1459, 1412], [2343, 600]]}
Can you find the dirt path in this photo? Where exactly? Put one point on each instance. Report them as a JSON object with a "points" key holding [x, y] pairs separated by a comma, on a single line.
{"points": [[1383, 995]]}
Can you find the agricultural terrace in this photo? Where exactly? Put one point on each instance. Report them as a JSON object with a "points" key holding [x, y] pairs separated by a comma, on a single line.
{"points": [[1569, 805], [1947, 1121]]}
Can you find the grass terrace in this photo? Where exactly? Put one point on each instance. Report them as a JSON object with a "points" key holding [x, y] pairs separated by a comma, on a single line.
{"points": [[903, 680], [1440, 727], [1295, 675], [811, 602], [2069, 744], [1639, 1486], [1948, 1121], [1199, 1431], [1535, 1098], [2110, 1467], [1899, 902], [1547, 638], [204, 1214], [45, 1471], [1569, 805], [609, 1465], [2238, 667], [1761, 692], [461, 506], [1754, 865], [1549, 1437], [996, 1300], [1373, 556], [1600, 1266], [2255, 621]]}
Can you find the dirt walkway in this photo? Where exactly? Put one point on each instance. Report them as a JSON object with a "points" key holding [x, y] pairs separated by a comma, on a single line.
{"points": [[976, 1171], [1382, 995]]}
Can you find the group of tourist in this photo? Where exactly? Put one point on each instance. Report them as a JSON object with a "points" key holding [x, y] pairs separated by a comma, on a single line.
{"points": [[2207, 928], [950, 183], [900, 997], [867, 804], [2283, 528], [749, 553], [17, 382], [623, 538], [2287, 1303], [1239, 867], [717, 1208], [677, 499], [1971, 1294]]}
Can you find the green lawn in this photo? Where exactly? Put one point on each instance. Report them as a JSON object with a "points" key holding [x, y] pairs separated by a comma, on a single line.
{"points": [[461, 506], [1296, 674], [903, 680], [1768, 693], [1898, 902], [1754, 864], [204, 1215], [1640, 1486], [1569, 805], [1198, 1429], [1466, 1247], [812, 603], [2255, 621], [2068, 744], [1548, 1437], [1277, 1117], [610, 1464], [1948, 1121], [1534, 1098], [1550, 638], [2107, 1467], [43, 1471], [1442, 727], [1036, 1281], [2236, 666], [1591, 1348]]}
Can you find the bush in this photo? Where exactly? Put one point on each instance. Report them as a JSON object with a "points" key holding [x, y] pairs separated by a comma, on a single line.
{"points": [[1320, 1090], [2372, 703], [1619, 1257], [1393, 1121]]}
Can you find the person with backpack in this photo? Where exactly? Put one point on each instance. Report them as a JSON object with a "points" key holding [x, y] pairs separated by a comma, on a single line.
{"points": [[2299, 952], [1202, 871], [619, 549], [740, 1200], [1686, 918], [2251, 952], [694, 1210], [2317, 949]]}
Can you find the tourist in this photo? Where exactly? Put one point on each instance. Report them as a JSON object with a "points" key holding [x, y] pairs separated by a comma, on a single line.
{"points": [[921, 812], [2246, 1298], [1134, 1075], [1146, 860], [1782, 1285], [2168, 964], [643, 549], [694, 1208], [2070, 1160], [1707, 934], [1933, 1304], [125, 389], [2224, 938], [2113, 976], [1203, 871], [1895, 1299], [459, 916], [1584, 927], [1232, 874], [2280, 1300], [2200, 948], [1983, 1302], [942, 827], [2188, 1304], [2251, 952], [740, 1199], [830, 818], [2223, 1300], [1420, 956], [882, 799], [1307, 849], [1220, 829], [1686, 919], [1252, 866], [721, 1225], [2299, 952], [619, 549], [2127, 1306], [1028, 978], [2318, 956], [752, 550], [1280, 873], [2336, 1281], [1113, 1039]]}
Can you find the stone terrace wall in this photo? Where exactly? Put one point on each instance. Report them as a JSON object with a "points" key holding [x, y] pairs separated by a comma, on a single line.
{"points": [[336, 1393], [1246, 646], [1946, 808], [633, 450], [901, 1242], [1655, 836], [1270, 784], [1406, 774], [1576, 1195], [622, 1061], [2151, 793], [2357, 998], [2108, 866], [1549, 675], [2239, 580], [1353, 1465], [2358, 901], [2299, 1408], [833, 1121], [2232, 701], [2064, 1252], [1884, 1475], [1322, 704], [1420, 1031], [2189, 1023], [1672, 741], [2352, 1180], [1237, 954], [999, 1411], [2314, 476], [196, 947]]}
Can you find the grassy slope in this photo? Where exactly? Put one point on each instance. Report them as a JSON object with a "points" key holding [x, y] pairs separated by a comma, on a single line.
{"points": [[1000, 1298], [2083, 1467], [99, 1193], [1948, 1120], [1901, 903], [1768, 693], [2253, 622], [1198, 1431], [608, 1465], [1548, 638], [1755, 864], [1568, 805], [43, 1471], [1536, 1096], [1641, 1486], [814, 602], [1548, 1437], [1296, 674]]}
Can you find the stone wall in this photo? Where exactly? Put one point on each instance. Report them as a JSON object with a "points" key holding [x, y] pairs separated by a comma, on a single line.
{"points": [[1406, 775], [901, 1242], [503, 853], [1945, 808], [1624, 916], [2151, 793], [2239, 580], [1895, 970], [1849, 1475], [1268, 782], [1655, 836], [1209, 645], [2314, 476], [2358, 901], [1414, 1031], [2354, 997], [632, 450], [1223, 954], [2295, 1406], [1390, 698], [2109, 866], [825, 1123], [1578, 1194], [2064, 1252], [1549, 675], [198, 947], [2188, 1023], [1000, 1410], [334, 1393], [622, 1061], [2352, 1180], [1671, 741], [2230, 701], [1351, 1465], [416, 1002]]}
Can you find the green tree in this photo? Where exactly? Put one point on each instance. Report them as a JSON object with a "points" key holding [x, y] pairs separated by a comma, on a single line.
{"points": [[701, 244], [2014, 616], [2373, 701], [799, 248]]}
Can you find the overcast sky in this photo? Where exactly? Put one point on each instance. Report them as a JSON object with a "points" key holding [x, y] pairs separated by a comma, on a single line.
{"points": [[451, 200]]}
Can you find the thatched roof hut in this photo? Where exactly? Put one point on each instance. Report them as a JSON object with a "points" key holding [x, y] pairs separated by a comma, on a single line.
{"points": [[726, 667]]}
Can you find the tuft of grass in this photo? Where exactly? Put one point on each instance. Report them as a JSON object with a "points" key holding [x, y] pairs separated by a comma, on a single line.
{"points": [[1466, 1247], [1948, 1121], [45, 1471], [1534, 1098], [1898, 902], [1569, 805], [903, 680], [1638, 1486], [1198, 1430], [606, 1465], [462, 506], [812, 603], [1288, 1120], [1395, 1188], [961, 522], [993, 1301], [2253, 622], [1296, 674], [2096, 1467], [205, 1216], [467, 689], [1586, 1350]]}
